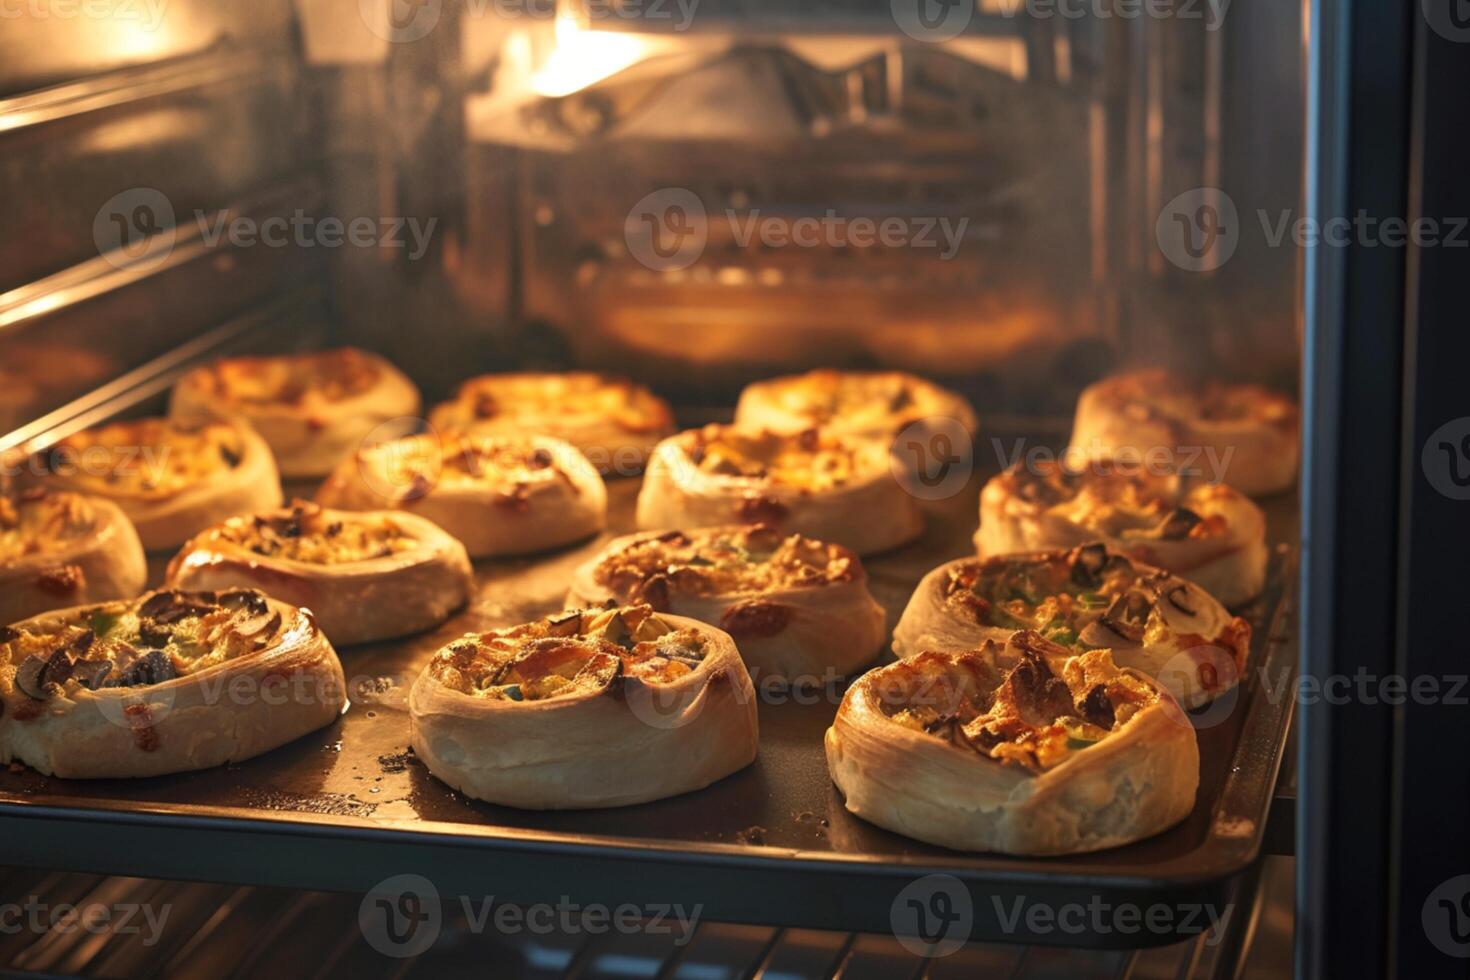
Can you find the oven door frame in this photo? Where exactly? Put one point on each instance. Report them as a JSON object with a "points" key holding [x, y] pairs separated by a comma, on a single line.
{"points": [[1382, 812]]}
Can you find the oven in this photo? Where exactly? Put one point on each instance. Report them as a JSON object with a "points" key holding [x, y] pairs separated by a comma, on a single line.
{"points": [[1013, 198]]}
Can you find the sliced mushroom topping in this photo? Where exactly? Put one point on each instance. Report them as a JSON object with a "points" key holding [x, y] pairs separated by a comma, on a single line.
{"points": [[38, 677], [600, 670], [82, 643], [1128, 615], [1179, 598], [1041, 695], [1104, 633], [1178, 524], [153, 634], [565, 624], [248, 600], [153, 667], [1088, 564], [259, 625], [91, 674], [170, 607], [1097, 708]]}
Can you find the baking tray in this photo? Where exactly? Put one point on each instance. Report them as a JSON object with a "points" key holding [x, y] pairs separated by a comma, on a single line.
{"points": [[349, 806]]}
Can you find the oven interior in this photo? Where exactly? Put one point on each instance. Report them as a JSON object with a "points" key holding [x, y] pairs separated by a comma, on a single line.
{"points": [[504, 159]]}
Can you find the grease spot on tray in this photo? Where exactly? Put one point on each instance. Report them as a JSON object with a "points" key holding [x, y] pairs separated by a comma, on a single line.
{"points": [[755, 835], [397, 761], [327, 804]]}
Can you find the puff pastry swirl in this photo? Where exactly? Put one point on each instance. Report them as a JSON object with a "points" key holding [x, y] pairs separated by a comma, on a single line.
{"points": [[595, 708], [1015, 747], [169, 682], [365, 576], [798, 609], [1086, 598], [819, 484]]}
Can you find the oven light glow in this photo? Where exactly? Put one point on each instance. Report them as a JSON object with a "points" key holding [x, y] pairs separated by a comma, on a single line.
{"points": [[583, 57]]}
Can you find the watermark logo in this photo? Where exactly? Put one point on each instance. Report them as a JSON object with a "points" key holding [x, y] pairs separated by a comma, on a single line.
{"points": [[400, 21], [135, 229], [932, 916], [1446, 917], [1204, 669], [667, 230], [932, 21], [401, 917], [665, 706], [401, 459], [1199, 230], [933, 458], [1446, 459], [1450, 19]]}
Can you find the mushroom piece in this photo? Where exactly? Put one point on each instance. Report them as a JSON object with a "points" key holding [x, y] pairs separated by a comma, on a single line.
{"points": [[1178, 524], [153, 667], [91, 674], [259, 625], [565, 624], [248, 600], [1088, 563]]}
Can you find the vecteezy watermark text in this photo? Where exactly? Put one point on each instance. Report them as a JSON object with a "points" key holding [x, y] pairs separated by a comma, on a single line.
{"points": [[120, 919], [138, 228], [403, 916], [1200, 230], [668, 230], [146, 14], [310, 231]]}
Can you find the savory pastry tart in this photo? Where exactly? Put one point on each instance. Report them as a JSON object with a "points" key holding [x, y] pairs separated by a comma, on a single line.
{"points": [[313, 409], [1084, 599], [365, 576], [1209, 533], [613, 421], [499, 496], [170, 682], [823, 485], [64, 549], [878, 404], [591, 708], [170, 478], [797, 608], [1250, 435], [1018, 747]]}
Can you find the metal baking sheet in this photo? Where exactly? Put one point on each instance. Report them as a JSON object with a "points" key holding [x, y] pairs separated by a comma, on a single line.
{"points": [[349, 806]]}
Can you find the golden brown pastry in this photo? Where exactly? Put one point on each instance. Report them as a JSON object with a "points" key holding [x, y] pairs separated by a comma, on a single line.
{"points": [[613, 421], [592, 708], [1087, 598], [1018, 747], [498, 496], [167, 683], [171, 479], [1241, 434], [64, 549], [365, 576], [825, 486], [798, 609], [879, 404], [313, 409], [1208, 532]]}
